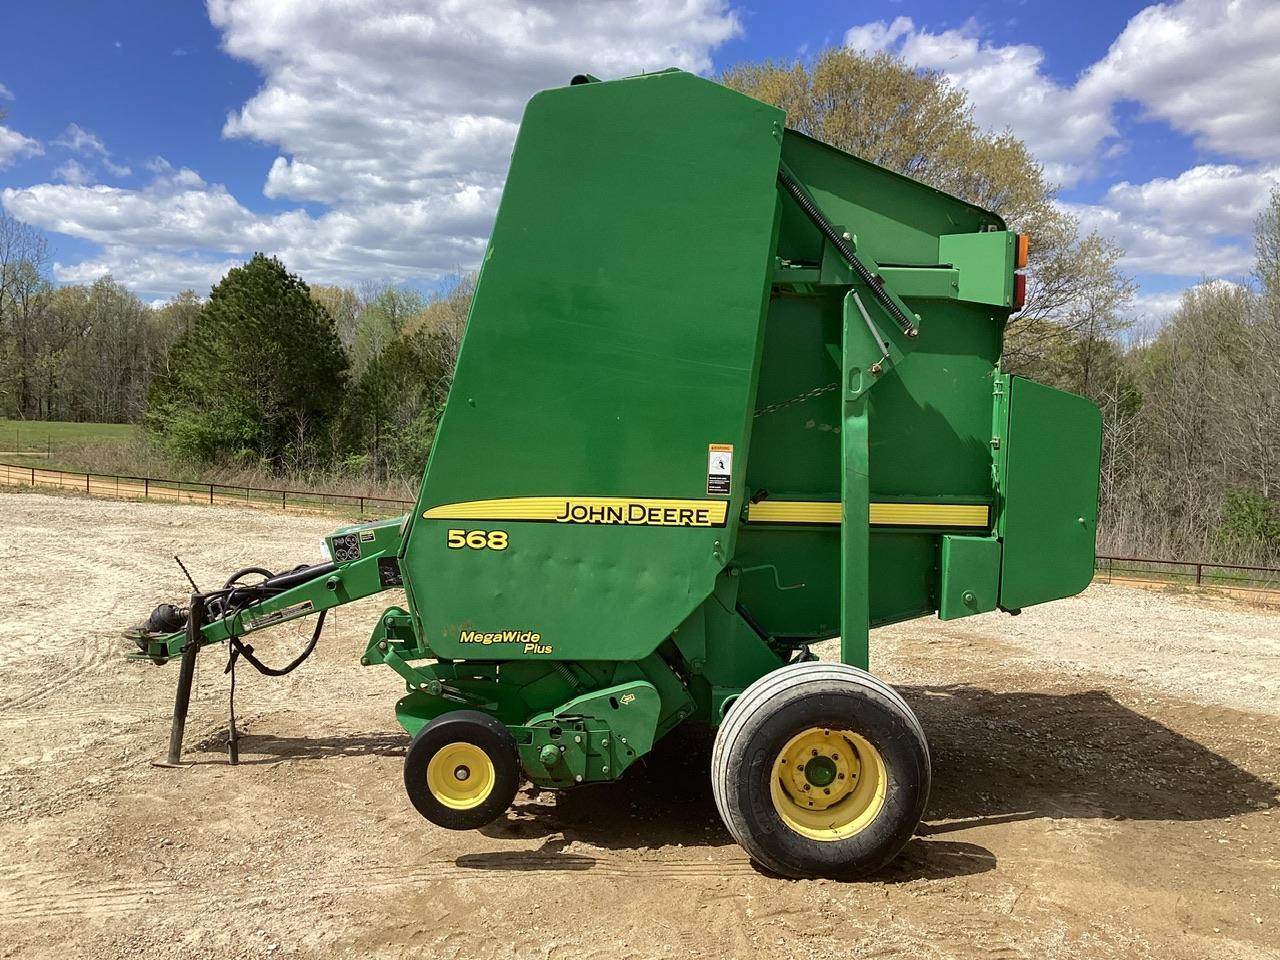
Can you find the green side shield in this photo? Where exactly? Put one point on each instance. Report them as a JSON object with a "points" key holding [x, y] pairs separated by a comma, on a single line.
{"points": [[1047, 468], [583, 490]]}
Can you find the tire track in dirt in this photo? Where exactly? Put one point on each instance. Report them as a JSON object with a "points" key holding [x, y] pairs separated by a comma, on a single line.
{"points": [[79, 645], [33, 895]]}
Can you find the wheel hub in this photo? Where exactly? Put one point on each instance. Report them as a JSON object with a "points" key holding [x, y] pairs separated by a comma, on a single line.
{"points": [[461, 775], [820, 771], [828, 784]]}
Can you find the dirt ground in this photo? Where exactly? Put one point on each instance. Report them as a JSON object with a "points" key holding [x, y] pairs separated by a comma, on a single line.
{"points": [[1105, 785]]}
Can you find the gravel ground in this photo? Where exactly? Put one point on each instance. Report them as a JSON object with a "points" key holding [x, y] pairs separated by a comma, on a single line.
{"points": [[1105, 785]]}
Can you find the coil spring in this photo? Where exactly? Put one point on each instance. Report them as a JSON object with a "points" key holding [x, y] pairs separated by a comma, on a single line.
{"points": [[873, 282]]}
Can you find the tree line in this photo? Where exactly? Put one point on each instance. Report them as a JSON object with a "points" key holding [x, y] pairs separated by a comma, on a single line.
{"points": [[264, 371], [84, 353], [269, 371]]}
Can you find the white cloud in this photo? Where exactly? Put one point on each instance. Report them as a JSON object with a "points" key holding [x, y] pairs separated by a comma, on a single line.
{"points": [[148, 270], [83, 143], [1155, 307], [1063, 126], [1148, 312], [1198, 223], [13, 146], [73, 173], [179, 220], [78, 140], [6, 93], [397, 116], [1207, 67], [371, 100]]}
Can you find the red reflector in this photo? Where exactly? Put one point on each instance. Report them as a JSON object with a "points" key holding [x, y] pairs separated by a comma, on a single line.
{"points": [[1019, 291]]}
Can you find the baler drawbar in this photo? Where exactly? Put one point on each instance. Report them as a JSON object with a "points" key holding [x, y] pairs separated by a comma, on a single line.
{"points": [[724, 392]]}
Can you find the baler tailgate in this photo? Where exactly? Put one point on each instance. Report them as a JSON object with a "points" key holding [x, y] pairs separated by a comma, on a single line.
{"points": [[1048, 493]]}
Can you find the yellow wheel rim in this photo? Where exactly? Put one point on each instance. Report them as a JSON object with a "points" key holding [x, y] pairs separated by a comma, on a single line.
{"points": [[828, 784], [460, 775]]}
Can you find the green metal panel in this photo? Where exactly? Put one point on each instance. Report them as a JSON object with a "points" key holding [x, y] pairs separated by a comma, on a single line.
{"points": [[893, 218], [985, 262], [1048, 516], [928, 414], [970, 576], [614, 335], [923, 283]]}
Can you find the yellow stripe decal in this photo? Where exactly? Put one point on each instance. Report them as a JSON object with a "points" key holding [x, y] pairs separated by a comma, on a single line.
{"points": [[793, 511], [882, 514], [628, 511]]}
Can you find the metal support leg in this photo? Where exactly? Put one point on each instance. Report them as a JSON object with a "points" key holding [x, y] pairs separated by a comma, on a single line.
{"points": [[855, 540], [187, 673], [859, 355]]}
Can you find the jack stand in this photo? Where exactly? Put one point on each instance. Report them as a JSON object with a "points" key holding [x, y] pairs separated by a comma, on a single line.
{"points": [[187, 673]]}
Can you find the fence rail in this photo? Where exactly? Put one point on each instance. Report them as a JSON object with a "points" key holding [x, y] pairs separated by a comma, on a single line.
{"points": [[1109, 568], [1231, 576], [188, 491]]}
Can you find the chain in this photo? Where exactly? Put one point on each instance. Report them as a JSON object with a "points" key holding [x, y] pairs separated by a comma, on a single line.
{"points": [[799, 398]]}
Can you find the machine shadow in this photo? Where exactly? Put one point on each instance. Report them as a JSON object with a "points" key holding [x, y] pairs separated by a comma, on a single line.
{"points": [[921, 859], [997, 757], [666, 801], [1001, 757], [265, 748]]}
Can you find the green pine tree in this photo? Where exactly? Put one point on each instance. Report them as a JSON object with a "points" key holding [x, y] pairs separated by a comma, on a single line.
{"points": [[259, 376]]}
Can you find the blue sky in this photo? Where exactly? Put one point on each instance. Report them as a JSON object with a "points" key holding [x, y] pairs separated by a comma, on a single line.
{"points": [[367, 139]]}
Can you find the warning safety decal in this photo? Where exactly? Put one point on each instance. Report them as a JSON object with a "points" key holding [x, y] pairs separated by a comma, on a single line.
{"points": [[719, 469]]}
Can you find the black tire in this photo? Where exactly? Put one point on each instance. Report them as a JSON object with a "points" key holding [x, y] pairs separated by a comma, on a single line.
{"points": [[461, 733], [879, 739]]}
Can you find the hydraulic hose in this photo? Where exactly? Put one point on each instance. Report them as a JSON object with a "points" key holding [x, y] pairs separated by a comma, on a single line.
{"points": [[839, 241], [240, 648]]}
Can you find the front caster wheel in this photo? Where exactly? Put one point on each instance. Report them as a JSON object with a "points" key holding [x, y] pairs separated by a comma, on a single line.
{"points": [[461, 771], [821, 770]]}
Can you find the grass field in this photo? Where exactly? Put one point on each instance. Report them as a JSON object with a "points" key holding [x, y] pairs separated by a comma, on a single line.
{"points": [[110, 449], [46, 436]]}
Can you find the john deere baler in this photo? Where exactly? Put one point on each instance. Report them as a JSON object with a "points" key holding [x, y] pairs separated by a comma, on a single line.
{"points": [[724, 392]]}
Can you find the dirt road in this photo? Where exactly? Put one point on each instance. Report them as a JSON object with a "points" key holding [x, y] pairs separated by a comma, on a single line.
{"points": [[1106, 775]]}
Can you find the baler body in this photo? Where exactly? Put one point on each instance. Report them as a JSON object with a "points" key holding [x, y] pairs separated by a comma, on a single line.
{"points": [[650, 301], [724, 392]]}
